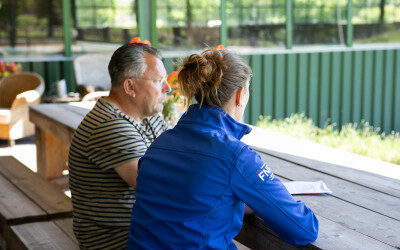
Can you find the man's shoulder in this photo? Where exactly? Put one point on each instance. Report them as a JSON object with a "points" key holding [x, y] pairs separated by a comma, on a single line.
{"points": [[101, 118], [104, 112]]}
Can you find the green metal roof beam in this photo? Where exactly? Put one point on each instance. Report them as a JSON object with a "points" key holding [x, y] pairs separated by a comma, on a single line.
{"points": [[146, 21], [289, 24], [349, 37], [223, 32], [66, 10]]}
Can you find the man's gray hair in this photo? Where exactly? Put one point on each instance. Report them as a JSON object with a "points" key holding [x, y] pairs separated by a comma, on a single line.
{"points": [[127, 61]]}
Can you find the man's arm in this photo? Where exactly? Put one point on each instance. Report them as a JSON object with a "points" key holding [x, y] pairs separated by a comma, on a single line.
{"points": [[128, 172]]}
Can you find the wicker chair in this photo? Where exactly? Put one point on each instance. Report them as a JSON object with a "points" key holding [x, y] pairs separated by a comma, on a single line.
{"points": [[17, 93], [91, 74]]}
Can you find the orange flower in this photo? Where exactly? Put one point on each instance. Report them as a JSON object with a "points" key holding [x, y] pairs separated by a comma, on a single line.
{"points": [[146, 42], [137, 40], [176, 92], [175, 74], [220, 47], [172, 78], [175, 85]]}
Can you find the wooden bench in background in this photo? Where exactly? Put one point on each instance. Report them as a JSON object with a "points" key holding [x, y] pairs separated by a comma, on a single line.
{"points": [[30, 205]]}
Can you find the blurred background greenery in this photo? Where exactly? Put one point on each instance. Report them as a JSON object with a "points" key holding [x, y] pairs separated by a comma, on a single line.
{"points": [[194, 24]]}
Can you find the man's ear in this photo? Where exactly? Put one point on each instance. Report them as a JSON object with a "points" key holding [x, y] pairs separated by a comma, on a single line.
{"points": [[239, 97], [129, 87]]}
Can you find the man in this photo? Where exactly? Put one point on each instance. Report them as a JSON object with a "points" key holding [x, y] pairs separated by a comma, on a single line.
{"points": [[105, 149]]}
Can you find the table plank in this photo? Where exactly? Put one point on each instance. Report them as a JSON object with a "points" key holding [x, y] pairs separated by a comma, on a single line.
{"points": [[346, 213], [66, 226], [47, 117], [15, 206], [41, 235], [380, 183], [332, 235], [363, 196], [43, 193]]}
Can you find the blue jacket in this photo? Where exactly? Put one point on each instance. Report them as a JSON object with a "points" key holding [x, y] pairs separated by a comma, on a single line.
{"points": [[192, 183]]}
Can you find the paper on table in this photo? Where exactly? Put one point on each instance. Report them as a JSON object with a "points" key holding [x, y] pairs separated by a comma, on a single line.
{"points": [[307, 187]]}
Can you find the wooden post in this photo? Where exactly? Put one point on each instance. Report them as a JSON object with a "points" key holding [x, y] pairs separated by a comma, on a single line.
{"points": [[349, 37], [289, 24], [223, 28], [50, 152]]}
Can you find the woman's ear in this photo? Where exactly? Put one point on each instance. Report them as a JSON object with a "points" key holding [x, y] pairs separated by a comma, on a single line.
{"points": [[239, 97], [129, 87]]}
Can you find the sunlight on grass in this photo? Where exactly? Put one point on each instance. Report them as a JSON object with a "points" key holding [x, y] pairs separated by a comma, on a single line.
{"points": [[361, 139]]}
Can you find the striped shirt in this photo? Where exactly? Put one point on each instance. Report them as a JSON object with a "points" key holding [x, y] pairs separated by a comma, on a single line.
{"points": [[102, 201]]}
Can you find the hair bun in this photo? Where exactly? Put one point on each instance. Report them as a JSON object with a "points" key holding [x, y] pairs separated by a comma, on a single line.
{"points": [[203, 76]]}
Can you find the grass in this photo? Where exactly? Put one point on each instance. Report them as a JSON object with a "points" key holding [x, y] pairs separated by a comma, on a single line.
{"points": [[361, 139], [386, 37]]}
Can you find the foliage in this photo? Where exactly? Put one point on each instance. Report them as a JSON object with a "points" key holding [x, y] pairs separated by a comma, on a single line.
{"points": [[174, 103], [8, 68], [390, 36], [361, 139]]}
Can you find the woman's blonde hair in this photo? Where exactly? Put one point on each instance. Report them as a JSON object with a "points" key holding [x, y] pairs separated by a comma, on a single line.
{"points": [[213, 76]]}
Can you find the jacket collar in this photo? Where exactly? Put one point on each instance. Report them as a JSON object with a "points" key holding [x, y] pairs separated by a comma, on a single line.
{"points": [[214, 117]]}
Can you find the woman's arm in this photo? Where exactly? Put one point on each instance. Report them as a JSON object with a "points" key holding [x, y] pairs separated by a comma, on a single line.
{"points": [[254, 183]]}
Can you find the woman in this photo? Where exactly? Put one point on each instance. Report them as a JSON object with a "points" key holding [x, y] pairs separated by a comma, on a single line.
{"points": [[194, 179]]}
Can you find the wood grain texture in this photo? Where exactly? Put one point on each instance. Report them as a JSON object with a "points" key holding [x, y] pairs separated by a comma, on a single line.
{"points": [[366, 211], [258, 236], [54, 133], [56, 156], [41, 235], [44, 194], [333, 233], [380, 183], [16, 207], [47, 117], [353, 193], [66, 226]]}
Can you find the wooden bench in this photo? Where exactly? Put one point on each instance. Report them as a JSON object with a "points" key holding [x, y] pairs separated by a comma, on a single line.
{"points": [[55, 234], [26, 197]]}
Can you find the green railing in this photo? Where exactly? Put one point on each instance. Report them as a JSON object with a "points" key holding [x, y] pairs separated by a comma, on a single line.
{"points": [[335, 84]]}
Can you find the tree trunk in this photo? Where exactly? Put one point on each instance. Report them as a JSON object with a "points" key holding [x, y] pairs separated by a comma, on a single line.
{"points": [[382, 16], [188, 18], [50, 19], [13, 22]]}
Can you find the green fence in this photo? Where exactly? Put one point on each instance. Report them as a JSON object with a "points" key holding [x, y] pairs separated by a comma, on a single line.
{"points": [[341, 84], [338, 85], [52, 70]]}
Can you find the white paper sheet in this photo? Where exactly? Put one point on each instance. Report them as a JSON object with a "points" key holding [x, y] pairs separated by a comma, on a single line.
{"points": [[307, 187]]}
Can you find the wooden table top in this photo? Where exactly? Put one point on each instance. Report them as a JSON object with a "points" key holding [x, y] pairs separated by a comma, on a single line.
{"points": [[26, 197], [363, 212], [60, 119]]}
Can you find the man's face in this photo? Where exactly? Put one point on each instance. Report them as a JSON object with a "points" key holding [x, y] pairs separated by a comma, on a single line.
{"points": [[152, 87]]}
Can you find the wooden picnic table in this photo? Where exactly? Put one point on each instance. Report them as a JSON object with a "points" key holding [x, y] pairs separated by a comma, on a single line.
{"points": [[32, 211], [363, 212], [55, 125]]}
